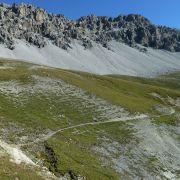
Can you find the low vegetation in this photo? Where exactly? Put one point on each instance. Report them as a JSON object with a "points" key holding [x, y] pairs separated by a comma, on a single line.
{"points": [[10, 170], [29, 114], [167, 120], [130, 93], [72, 150]]}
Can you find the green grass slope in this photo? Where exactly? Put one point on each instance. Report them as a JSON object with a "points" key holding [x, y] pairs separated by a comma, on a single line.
{"points": [[36, 100]]}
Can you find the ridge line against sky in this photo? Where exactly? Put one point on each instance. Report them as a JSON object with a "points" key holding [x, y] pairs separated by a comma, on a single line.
{"points": [[160, 12]]}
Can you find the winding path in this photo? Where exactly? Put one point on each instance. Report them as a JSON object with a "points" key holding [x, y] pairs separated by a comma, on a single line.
{"points": [[18, 156], [51, 134], [122, 119]]}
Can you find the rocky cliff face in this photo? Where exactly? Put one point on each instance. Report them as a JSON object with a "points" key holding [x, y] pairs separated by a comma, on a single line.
{"points": [[35, 26]]}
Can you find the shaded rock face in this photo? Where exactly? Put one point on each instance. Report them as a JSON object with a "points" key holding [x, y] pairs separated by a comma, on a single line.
{"points": [[35, 25]]}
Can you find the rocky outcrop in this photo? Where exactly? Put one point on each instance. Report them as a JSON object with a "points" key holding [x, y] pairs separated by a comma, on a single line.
{"points": [[35, 25]]}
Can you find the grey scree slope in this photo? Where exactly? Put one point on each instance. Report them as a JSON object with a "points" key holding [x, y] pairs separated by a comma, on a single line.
{"points": [[129, 45]]}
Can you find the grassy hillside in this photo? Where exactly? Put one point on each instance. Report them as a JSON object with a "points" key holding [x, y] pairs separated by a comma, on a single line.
{"points": [[134, 94], [35, 101], [11, 170]]}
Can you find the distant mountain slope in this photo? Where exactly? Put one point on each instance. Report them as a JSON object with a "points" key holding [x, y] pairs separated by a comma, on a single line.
{"points": [[129, 45]]}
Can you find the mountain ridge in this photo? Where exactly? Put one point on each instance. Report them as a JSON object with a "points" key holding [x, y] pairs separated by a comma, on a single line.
{"points": [[35, 25]]}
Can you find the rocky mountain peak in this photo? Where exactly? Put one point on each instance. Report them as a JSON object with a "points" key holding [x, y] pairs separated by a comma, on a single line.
{"points": [[36, 26]]}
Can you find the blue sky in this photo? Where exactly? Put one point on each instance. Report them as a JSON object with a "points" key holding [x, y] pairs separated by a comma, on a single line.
{"points": [[163, 12]]}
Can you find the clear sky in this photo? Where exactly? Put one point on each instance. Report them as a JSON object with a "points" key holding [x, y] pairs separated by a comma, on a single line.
{"points": [[163, 12]]}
